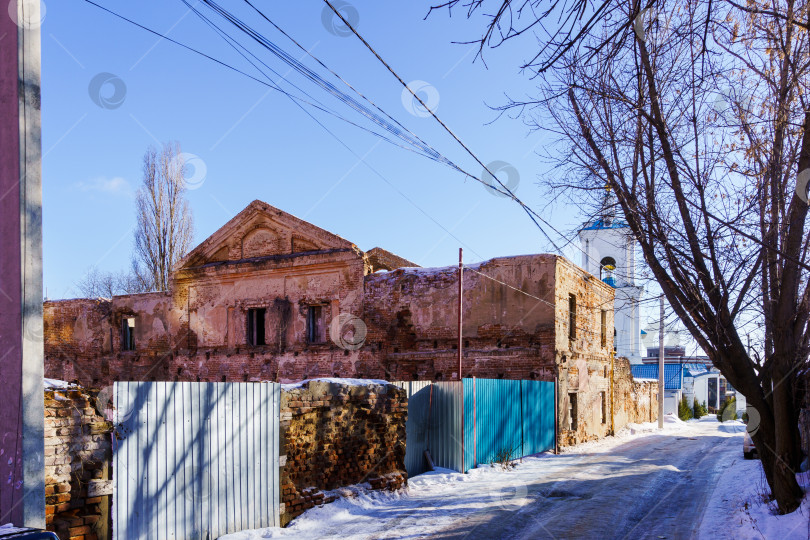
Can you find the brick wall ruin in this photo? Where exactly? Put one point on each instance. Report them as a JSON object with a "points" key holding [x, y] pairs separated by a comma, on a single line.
{"points": [[412, 320], [326, 311], [198, 332], [336, 435], [77, 451], [636, 401]]}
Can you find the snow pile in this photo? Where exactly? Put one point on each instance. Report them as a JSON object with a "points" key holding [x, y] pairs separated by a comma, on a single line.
{"points": [[56, 384], [739, 507], [431, 502], [348, 382], [629, 431], [9, 528]]}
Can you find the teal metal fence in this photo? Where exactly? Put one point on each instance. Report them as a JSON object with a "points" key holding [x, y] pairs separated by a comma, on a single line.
{"points": [[464, 424]]}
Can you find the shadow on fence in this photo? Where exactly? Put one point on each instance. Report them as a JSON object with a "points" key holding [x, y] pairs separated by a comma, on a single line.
{"points": [[195, 460], [466, 423]]}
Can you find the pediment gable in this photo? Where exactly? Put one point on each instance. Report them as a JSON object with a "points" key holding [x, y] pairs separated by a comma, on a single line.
{"points": [[261, 230]]}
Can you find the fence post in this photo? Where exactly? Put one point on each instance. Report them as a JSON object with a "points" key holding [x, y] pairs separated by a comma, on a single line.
{"points": [[522, 453], [556, 413], [475, 427], [430, 410]]}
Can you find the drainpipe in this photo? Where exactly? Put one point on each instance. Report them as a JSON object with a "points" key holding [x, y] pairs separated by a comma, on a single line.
{"points": [[612, 430], [460, 290], [661, 382], [556, 409], [460, 343]]}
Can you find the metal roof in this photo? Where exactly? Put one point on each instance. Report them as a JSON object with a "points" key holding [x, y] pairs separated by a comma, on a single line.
{"points": [[672, 374], [695, 370], [605, 224]]}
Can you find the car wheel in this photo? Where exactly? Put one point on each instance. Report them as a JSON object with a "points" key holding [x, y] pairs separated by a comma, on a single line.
{"points": [[748, 455]]}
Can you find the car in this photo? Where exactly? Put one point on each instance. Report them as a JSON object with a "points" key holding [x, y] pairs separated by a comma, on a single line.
{"points": [[9, 532], [749, 450]]}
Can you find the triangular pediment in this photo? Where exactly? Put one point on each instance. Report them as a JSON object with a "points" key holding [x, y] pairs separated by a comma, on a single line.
{"points": [[261, 230]]}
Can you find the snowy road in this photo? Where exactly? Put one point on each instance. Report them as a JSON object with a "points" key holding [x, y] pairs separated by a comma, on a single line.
{"points": [[637, 485], [651, 487]]}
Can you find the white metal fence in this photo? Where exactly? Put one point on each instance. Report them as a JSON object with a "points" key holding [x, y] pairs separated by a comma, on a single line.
{"points": [[195, 460]]}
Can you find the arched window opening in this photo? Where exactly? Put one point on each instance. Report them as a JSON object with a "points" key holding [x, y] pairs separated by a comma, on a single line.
{"points": [[607, 267]]}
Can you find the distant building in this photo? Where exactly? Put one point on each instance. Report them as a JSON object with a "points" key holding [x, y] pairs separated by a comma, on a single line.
{"points": [[690, 376]]}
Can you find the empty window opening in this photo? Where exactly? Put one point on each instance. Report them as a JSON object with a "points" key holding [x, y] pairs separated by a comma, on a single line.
{"points": [[604, 407], [572, 316], [255, 326], [128, 334], [572, 412], [603, 327], [316, 329]]}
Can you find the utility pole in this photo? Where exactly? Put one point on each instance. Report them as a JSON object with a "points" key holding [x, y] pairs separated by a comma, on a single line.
{"points": [[661, 384], [460, 291], [22, 415]]}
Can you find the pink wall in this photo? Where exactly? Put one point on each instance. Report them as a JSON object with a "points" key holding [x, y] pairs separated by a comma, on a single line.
{"points": [[10, 288]]}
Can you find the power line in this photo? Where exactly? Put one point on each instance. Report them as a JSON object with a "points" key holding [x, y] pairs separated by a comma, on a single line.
{"points": [[325, 85], [297, 101], [531, 213], [344, 81], [314, 103], [361, 159]]}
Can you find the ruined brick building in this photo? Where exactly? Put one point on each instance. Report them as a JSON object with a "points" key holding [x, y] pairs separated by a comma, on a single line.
{"points": [[271, 297]]}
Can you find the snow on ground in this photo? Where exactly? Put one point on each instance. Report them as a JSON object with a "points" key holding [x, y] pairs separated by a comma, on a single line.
{"points": [[436, 500], [739, 509], [672, 424], [56, 384]]}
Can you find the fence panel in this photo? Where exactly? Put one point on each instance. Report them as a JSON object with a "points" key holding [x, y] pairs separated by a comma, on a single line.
{"points": [[492, 420], [416, 428], [538, 416], [195, 460], [434, 424]]}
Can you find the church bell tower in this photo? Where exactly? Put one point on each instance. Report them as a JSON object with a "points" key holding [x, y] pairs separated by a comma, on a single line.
{"points": [[609, 254]]}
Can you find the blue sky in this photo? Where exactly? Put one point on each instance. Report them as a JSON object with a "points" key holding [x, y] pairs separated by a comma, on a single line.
{"points": [[254, 143]]}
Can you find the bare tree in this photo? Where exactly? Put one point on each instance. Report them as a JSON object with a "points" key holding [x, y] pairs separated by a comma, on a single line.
{"points": [[165, 226], [696, 118], [100, 284]]}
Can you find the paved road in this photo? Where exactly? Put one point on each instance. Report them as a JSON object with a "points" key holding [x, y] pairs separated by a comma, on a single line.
{"points": [[652, 487]]}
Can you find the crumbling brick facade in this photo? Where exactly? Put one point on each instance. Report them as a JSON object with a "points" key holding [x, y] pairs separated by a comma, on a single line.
{"points": [[336, 435], [77, 451], [271, 297]]}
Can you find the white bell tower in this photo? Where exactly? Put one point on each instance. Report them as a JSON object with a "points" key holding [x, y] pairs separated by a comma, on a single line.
{"points": [[609, 254]]}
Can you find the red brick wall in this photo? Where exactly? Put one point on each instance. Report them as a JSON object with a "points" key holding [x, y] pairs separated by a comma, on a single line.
{"points": [[412, 319], [335, 435], [77, 450]]}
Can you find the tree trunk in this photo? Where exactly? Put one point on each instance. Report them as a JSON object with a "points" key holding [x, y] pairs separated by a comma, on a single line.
{"points": [[774, 436]]}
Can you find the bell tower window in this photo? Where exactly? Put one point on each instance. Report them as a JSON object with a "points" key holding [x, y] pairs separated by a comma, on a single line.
{"points": [[607, 267]]}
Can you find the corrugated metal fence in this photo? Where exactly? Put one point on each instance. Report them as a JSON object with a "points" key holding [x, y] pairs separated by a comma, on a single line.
{"points": [[195, 460], [492, 415], [434, 423]]}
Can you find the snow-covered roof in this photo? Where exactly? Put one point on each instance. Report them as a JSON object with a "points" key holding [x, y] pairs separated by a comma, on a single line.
{"points": [[348, 382]]}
